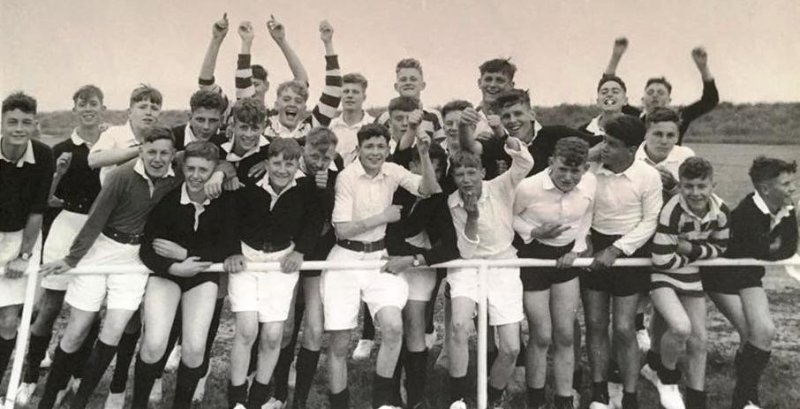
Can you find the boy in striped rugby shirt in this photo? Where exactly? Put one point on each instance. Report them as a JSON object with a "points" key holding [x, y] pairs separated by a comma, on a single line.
{"points": [[693, 225]]}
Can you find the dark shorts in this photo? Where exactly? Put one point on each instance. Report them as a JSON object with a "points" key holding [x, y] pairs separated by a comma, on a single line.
{"points": [[729, 280], [617, 281], [541, 278], [187, 283], [320, 253]]}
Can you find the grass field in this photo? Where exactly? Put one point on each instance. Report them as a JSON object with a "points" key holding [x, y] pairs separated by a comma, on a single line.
{"points": [[779, 385]]}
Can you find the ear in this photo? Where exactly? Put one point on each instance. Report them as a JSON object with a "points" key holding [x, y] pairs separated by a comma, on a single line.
{"points": [[422, 86], [586, 167], [396, 86]]}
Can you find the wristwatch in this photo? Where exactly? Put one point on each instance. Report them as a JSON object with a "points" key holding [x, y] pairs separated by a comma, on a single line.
{"points": [[25, 256], [417, 262]]}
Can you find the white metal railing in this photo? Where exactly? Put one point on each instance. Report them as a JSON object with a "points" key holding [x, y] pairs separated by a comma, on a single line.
{"points": [[483, 266]]}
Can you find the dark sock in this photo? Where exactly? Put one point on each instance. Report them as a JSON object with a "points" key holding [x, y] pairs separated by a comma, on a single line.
{"points": [[577, 377], [340, 400], [254, 354], [185, 385], [669, 376], [125, 352], [259, 393], [695, 399], [37, 348], [562, 402], [58, 377], [459, 388], [600, 392], [639, 321], [495, 395], [491, 355], [307, 361], [212, 333], [381, 391], [431, 305], [174, 333], [96, 366], [629, 400], [237, 394], [144, 376], [614, 374], [368, 331], [6, 348], [85, 351], [654, 360], [280, 377], [394, 390], [535, 397], [416, 377], [751, 365]]}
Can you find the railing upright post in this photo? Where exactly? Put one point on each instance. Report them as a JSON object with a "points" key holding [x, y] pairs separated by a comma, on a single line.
{"points": [[22, 337], [483, 328]]}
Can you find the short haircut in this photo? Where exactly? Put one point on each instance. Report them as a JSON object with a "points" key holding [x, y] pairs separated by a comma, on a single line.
{"points": [[372, 130], [21, 101], [436, 152], [250, 111], [321, 138], [499, 65], [298, 87], [659, 80], [202, 149], [765, 169], [510, 98], [156, 133], [86, 93], [405, 104], [286, 146], [572, 151], [455, 105], [259, 72], [145, 92], [355, 78], [696, 168], [662, 114], [606, 78], [207, 99], [408, 63], [630, 130], [465, 159]]}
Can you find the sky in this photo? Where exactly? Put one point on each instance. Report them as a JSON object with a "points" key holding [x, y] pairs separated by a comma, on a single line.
{"points": [[51, 47]]}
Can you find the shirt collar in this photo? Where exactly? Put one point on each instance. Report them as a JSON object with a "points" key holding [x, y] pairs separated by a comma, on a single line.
{"points": [[360, 171], [303, 169], [138, 167], [339, 121], [455, 198], [641, 154], [27, 157], [232, 157], [185, 200], [714, 204], [594, 126], [189, 135], [762, 205], [603, 170], [264, 184], [77, 140]]}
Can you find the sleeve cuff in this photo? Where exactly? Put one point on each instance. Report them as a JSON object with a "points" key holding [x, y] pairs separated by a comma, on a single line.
{"points": [[206, 82]]}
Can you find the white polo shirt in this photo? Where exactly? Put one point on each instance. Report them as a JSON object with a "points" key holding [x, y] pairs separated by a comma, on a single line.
{"points": [[346, 134], [672, 162], [116, 137]]}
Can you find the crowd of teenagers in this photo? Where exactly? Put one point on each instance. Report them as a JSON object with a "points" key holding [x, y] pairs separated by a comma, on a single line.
{"points": [[242, 183]]}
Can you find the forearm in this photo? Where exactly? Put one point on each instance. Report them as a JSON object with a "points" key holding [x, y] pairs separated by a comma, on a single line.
{"points": [[54, 186], [429, 185], [471, 228], [244, 75], [226, 168], [112, 157], [31, 232], [613, 63], [295, 65], [347, 230], [210, 60]]}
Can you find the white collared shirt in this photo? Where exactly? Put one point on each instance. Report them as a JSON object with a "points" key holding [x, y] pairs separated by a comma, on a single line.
{"points": [[199, 208], [495, 206], [774, 219], [627, 204], [27, 157], [359, 196], [671, 163], [189, 136], [264, 184], [277, 130], [347, 136], [594, 127], [538, 201], [78, 141], [233, 158], [116, 137], [138, 167]]}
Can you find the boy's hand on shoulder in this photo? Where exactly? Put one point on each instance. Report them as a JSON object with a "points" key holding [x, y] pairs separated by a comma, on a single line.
{"points": [[325, 31], [220, 28], [257, 170]]}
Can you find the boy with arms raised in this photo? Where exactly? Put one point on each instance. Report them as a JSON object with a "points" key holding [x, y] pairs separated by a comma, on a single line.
{"points": [[763, 226], [363, 207], [693, 225]]}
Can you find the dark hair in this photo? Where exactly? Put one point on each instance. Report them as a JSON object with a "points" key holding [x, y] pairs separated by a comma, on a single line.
{"points": [[510, 98], [355, 78], [21, 101], [321, 138], [630, 130], [435, 152], [299, 87], [465, 159], [372, 130], [662, 114], [86, 93], [156, 133], [659, 80], [696, 168], [606, 78], [201, 149], [499, 65], [572, 150], [145, 92], [259, 72], [405, 104], [286, 146], [408, 63], [764, 169], [250, 111], [208, 100], [455, 105]]}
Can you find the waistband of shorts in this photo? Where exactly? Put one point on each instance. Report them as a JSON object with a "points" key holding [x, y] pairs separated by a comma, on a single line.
{"points": [[77, 207], [362, 246], [268, 247], [122, 237]]}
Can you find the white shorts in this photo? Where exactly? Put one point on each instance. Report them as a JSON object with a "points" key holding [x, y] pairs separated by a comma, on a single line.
{"points": [[269, 293], [65, 228], [124, 291], [343, 290], [504, 292], [12, 291], [421, 282]]}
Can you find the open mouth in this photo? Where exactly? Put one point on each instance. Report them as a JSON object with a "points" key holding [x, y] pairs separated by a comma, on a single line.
{"points": [[609, 102], [514, 129], [148, 120], [291, 113]]}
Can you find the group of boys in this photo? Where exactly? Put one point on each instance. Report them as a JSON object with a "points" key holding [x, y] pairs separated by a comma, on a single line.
{"points": [[240, 184]]}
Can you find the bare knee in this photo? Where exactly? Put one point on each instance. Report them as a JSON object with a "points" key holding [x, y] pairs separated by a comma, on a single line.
{"points": [[597, 325], [542, 339], [697, 344], [339, 345], [625, 333], [392, 331], [681, 331], [192, 353], [8, 323], [508, 350], [312, 334], [152, 349], [270, 340], [246, 334], [762, 333], [460, 330], [564, 337]]}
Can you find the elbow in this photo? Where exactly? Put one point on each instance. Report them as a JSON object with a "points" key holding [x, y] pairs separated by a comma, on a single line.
{"points": [[93, 162]]}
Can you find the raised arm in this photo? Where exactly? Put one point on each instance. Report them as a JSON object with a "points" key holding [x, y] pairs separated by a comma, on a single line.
{"points": [[244, 71], [218, 33], [620, 45], [325, 110], [429, 184], [710, 98], [466, 131], [278, 33]]}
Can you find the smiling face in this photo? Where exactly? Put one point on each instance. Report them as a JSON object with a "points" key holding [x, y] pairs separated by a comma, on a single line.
{"points": [[372, 153], [157, 157], [697, 193], [246, 136], [353, 97], [318, 159], [493, 83], [781, 190], [89, 111], [518, 120], [18, 127], [656, 95], [564, 176], [205, 122], [660, 139], [281, 171], [197, 171], [611, 97], [409, 82], [143, 114], [291, 107]]}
